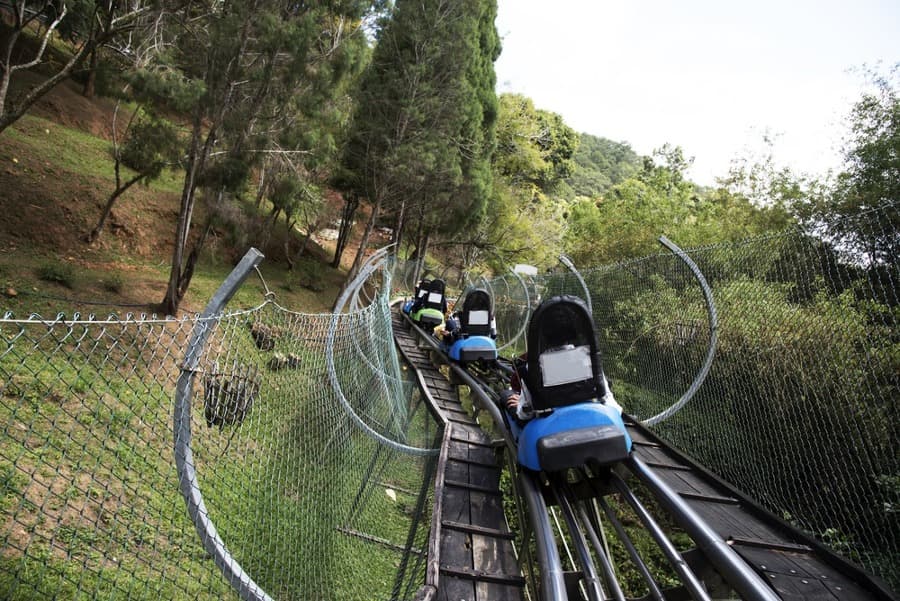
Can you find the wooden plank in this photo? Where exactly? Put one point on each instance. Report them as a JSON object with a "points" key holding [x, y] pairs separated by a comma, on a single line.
{"points": [[454, 588], [470, 433], [691, 482], [732, 522], [457, 471], [483, 576], [489, 591], [456, 504], [801, 575], [481, 443], [492, 554], [477, 456], [487, 510], [473, 529], [488, 490], [466, 490], [469, 454]]}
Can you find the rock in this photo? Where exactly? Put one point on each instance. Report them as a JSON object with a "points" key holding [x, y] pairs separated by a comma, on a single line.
{"points": [[11, 292]]}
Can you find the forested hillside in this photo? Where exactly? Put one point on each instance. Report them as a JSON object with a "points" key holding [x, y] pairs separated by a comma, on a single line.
{"points": [[600, 165], [286, 126]]}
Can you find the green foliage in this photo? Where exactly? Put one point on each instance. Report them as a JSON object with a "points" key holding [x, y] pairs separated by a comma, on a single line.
{"points": [[660, 201], [423, 130], [153, 143], [114, 283], [870, 178], [58, 273], [164, 86], [600, 165], [803, 373], [534, 147]]}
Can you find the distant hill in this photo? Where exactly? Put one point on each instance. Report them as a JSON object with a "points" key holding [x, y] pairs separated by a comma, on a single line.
{"points": [[601, 164]]}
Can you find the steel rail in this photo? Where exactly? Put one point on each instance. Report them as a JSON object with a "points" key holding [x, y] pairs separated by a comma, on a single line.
{"points": [[713, 336], [729, 564], [184, 456]]}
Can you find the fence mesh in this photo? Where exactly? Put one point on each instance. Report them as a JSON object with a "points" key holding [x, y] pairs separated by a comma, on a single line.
{"points": [[308, 504], [305, 464], [800, 408]]}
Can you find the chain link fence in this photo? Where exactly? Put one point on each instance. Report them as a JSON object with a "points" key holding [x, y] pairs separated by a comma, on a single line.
{"points": [[295, 495], [800, 408], [312, 451]]}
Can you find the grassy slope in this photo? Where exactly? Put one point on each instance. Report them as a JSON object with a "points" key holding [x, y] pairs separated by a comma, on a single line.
{"points": [[55, 175]]}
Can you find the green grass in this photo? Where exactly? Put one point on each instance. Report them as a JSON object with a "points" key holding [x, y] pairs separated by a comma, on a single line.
{"points": [[89, 478], [79, 153], [88, 490], [89, 496]]}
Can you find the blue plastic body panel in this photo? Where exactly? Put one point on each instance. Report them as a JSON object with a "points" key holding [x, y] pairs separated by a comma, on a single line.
{"points": [[472, 348], [571, 417], [407, 306]]}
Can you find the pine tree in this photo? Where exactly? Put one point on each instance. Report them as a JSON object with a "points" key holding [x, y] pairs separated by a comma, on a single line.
{"points": [[424, 124]]}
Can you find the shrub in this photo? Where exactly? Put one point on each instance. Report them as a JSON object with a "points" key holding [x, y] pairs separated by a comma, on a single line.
{"points": [[60, 273], [114, 283]]}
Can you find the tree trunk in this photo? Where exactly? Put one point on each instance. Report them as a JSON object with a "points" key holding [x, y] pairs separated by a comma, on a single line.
{"points": [[351, 203], [89, 85], [263, 185], [95, 233], [414, 256], [361, 251], [423, 250], [192, 259], [13, 111], [397, 237], [309, 232], [287, 245], [195, 163]]}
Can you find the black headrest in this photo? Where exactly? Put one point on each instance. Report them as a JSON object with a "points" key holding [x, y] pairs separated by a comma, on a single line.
{"points": [[435, 297], [479, 301], [422, 287], [562, 331]]}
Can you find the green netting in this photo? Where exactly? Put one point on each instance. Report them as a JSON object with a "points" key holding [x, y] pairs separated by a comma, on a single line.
{"points": [[309, 505], [304, 429], [800, 408]]}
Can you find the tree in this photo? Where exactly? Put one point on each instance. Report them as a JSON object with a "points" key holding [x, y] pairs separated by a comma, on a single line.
{"points": [[871, 175], [535, 148], [89, 26], [659, 200], [151, 144], [601, 164], [423, 127], [533, 155], [265, 68]]}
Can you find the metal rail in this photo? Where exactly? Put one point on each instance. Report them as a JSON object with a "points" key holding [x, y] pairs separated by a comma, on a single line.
{"points": [[713, 336], [553, 587], [184, 456]]}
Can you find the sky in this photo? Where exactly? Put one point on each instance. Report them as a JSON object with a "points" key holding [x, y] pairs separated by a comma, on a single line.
{"points": [[712, 76]]}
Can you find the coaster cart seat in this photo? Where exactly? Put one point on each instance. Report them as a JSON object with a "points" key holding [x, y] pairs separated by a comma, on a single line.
{"points": [[419, 294], [430, 313], [472, 331], [564, 379]]}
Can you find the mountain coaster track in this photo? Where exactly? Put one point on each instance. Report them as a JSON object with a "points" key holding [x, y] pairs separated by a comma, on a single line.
{"points": [[742, 550]]}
